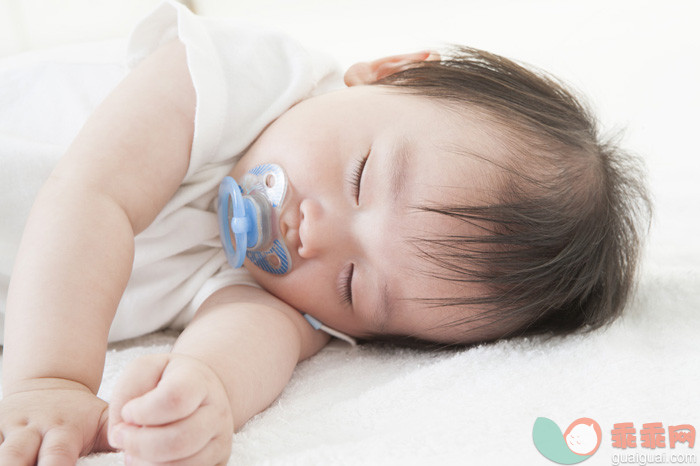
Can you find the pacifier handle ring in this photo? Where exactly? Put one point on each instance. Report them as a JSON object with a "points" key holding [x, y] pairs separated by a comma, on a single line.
{"points": [[238, 224]]}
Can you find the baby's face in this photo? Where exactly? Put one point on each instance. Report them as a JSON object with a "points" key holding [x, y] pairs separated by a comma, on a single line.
{"points": [[358, 161]]}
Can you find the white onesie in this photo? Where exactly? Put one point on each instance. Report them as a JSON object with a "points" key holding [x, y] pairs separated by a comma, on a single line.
{"points": [[244, 77]]}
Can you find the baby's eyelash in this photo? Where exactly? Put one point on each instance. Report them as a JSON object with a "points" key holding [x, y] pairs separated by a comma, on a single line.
{"points": [[345, 285], [357, 176]]}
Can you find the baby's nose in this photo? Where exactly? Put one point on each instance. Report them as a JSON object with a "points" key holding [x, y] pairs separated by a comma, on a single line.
{"points": [[319, 229]]}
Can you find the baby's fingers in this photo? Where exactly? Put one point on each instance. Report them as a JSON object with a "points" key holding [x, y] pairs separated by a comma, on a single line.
{"points": [[188, 438], [140, 377], [177, 395], [60, 448], [20, 448]]}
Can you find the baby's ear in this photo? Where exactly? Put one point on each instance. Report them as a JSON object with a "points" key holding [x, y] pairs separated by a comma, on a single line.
{"points": [[369, 72]]}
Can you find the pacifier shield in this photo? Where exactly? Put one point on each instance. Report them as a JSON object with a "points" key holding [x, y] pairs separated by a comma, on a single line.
{"points": [[249, 219]]}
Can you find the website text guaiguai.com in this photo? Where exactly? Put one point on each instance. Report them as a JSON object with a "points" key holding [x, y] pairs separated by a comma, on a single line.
{"points": [[642, 459]]}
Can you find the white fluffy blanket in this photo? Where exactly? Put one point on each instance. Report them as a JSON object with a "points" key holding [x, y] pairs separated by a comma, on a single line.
{"points": [[639, 64]]}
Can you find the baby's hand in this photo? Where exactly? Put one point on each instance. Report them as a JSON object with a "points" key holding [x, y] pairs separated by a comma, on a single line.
{"points": [[173, 409], [51, 422]]}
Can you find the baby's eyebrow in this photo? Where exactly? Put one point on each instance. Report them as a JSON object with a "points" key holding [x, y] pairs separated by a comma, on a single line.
{"points": [[401, 154], [382, 315]]}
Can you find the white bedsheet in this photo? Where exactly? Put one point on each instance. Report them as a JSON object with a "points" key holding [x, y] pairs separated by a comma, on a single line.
{"points": [[638, 62]]}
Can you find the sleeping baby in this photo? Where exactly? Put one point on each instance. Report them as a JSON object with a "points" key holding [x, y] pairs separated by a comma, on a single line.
{"points": [[232, 186]]}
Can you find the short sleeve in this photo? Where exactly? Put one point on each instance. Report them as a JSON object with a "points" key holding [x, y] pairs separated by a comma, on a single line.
{"points": [[244, 76]]}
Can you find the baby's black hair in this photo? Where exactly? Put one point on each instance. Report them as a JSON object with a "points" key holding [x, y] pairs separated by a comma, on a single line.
{"points": [[558, 247]]}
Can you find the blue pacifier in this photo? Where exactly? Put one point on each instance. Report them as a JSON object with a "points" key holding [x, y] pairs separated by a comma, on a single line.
{"points": [[248, 219]]}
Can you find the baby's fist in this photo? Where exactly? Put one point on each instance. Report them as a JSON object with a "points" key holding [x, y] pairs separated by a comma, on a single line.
{"points": [[171, 408]]}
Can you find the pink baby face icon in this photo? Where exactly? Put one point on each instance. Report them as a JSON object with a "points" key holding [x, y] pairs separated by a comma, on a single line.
{"points": [[583, 436]]}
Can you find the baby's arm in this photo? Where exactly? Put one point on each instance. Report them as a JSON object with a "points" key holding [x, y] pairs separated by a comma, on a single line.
{"points": [[76, 257], [230, 363]]}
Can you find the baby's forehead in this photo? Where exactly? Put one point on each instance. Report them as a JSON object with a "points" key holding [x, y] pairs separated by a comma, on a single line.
{"points": [[447, 175]]}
